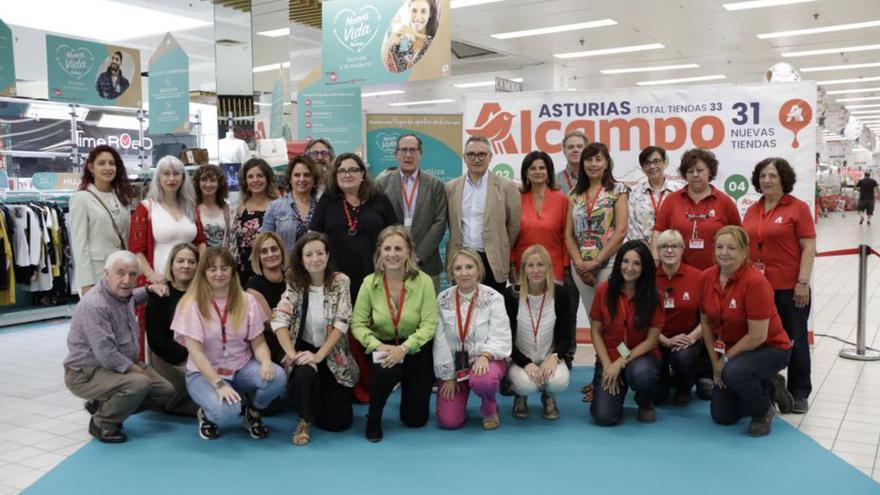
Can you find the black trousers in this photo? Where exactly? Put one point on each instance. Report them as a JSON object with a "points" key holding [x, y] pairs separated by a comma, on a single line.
{"points": [[416, 377], [794, 320], [685, 365], [317, 397], [489, 277], [575, 302]]}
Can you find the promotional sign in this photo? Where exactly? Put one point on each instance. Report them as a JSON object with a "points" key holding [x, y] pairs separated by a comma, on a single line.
{"points": [[275, 124], [440, 135], [380, 41], [329, 112], [742, 125], [46, 181], [7, 63], [92, 73], [169, 88]]}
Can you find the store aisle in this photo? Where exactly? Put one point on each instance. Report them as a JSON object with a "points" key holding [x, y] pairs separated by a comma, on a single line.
{"points": [[41, 423]]}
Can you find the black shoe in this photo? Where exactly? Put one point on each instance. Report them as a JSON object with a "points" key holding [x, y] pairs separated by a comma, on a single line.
{"points": [[506, 388], [252, 422], [520, 407], [647, 414], [800, 406], [705, 386], [106, 435], [91, 406], [760, 427], [682, 397], [781, 396], [862, 220], [374, 430], [208, 430]]}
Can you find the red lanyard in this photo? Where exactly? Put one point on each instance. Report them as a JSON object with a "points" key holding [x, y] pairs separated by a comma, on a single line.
{"points": [[624, 313], [408, 199], [762, 219], [351, 219], [222, 320], [536, 323], [463, 328], [567, 177], [395, 317], [590, 205], [720, 300], [655, 205]]}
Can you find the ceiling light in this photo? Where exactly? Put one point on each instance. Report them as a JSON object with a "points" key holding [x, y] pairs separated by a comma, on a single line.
{"points": [[759, 4], [848, 81], [852, 91], [456, 4], [861, 98], [832, 51], [840, 67], [59, 111], [390, 92], [872, 105], [477, 84], [650, 69], [713, 77], [121, 122], [826, 29], [276, 33], [271, 67], [74, 19], [554, 29], [864, 112], [423, 102], [610, 51]]}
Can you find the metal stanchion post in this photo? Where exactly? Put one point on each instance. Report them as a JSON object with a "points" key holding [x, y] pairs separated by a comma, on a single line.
{"points": [[859, 352]]}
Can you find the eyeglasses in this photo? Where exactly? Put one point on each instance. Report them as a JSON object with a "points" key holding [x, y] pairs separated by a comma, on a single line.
{"points": [[653, 163], [476, 156], [408, 151], [670, 247], [348, 172], [319, 154]]}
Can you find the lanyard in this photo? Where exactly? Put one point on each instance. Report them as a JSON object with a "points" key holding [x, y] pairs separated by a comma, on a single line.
{"points": [[655, 205], [761, 221], [408, 199], [728, 287], [536, 323], [567, 177], [463, 328], [395, 316], [352, 217], [589, 206], [222, 320]]}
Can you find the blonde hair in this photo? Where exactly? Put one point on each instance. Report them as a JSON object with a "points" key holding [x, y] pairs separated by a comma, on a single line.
{"points": [[669, 235], [470, 253], [524, 282], [739, 234], [256, 264], [169, 273], [410, 266], [200, 293]]}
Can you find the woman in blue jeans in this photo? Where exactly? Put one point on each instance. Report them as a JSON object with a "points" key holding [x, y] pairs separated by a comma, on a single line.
{"points": [[229, 371], [626, 318]]}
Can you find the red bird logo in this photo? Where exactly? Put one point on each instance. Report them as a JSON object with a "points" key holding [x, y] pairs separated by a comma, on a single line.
{"points": [[495, 124]]}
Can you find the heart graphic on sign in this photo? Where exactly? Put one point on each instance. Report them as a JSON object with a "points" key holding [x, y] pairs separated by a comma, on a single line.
{"points": [[387, 142], [356, 30], [75, 62], [125, 140]]}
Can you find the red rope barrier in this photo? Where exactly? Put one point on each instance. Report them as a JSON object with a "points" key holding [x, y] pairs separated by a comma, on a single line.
{"points": [[845, 252]]}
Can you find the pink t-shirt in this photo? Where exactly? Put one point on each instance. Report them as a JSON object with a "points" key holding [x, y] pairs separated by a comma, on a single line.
{"points": [[188, 322]]}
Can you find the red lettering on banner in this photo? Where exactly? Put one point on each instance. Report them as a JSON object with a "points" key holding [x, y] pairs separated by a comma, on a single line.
{"points": [[588, 127], [525, 129], [541, 132], [716, 126], [624, 130], [679, 136]]}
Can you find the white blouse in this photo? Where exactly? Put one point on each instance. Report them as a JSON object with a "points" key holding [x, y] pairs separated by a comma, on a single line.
{"points": [[315, 333], [167, 233], [489, 329], [536, 349]]}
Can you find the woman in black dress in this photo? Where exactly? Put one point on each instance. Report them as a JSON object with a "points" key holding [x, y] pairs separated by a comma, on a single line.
{"points": [[268, 261]]}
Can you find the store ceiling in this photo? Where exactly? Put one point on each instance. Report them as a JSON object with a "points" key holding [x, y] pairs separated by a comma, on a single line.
{"points": [[699, 32]]}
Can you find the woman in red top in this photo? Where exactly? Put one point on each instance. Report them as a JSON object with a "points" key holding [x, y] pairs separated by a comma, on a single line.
{"points": [[784, 249], [681, 337], [626, 318], [544, 213], [697, 210], [744, 336]]}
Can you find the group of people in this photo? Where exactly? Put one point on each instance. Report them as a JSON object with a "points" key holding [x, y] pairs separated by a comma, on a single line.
{"points": [[328, 295]]}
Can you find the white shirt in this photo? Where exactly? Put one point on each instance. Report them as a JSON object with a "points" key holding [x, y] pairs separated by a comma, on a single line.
{"points": [[233, 150], [167, 233], [536, 349], [408, 190], [473, 208], [315, 333]]}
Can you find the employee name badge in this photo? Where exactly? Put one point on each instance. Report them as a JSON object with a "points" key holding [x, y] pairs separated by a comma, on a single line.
{"points": [[379, 356], [720, 348], [407, 221], [759, 266], [668, 302], [226, 374], [462, 366], [696, 243], [589, 244], [623, 350]]}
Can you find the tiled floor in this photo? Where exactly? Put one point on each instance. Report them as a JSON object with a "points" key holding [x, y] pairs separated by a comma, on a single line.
{"points": [[41, 423]]}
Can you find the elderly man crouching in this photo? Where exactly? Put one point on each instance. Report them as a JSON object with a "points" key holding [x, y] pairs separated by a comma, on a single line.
{"points": [[102, 362]]}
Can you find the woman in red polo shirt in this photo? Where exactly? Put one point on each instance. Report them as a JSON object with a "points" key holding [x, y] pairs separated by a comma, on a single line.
{"points": [[744, 336], [626, 318], [784, 248], [681, 337], [697, 210]]}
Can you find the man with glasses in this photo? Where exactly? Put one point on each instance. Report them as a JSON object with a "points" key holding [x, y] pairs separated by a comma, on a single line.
{"points": [[573, 145], [646, 197], [322, 153], [484, 213], [419, 201]]}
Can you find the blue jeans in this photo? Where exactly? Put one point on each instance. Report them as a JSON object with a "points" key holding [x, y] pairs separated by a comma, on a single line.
{"points": [[641, 375], [749, 390], [684, 363], [246, 382]]}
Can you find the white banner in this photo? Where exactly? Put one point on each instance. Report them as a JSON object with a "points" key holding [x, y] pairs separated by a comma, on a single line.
{"points": [[742, 125]]}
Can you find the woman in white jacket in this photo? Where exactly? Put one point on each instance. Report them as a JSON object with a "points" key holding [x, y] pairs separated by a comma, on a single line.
{"points": [[471, 343]]}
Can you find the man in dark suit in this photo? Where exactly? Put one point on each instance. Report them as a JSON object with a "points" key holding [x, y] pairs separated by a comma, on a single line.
{"points": [[419, 201]]}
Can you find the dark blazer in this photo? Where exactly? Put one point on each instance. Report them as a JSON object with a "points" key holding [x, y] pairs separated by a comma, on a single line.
{"points": [[566, 319], [429, 217]]}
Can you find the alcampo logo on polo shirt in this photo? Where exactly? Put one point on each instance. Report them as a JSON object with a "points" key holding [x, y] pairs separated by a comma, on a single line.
{"points": [[778, 219], [686, 296], [733, 304]]}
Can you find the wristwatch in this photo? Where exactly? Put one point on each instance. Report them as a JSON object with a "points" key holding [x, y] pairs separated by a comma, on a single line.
{"points": [[219, 383]]}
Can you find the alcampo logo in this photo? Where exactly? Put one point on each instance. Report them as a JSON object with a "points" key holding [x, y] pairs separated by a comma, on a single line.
{"points": [[545, 133]]}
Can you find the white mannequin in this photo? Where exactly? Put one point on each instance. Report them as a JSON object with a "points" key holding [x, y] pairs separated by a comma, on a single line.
{"points": [[233, 150]]}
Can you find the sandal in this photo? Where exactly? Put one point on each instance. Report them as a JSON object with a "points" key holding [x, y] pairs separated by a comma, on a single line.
{"points": [[491, 422], [253, 424], [301, 434], [588, 392]]}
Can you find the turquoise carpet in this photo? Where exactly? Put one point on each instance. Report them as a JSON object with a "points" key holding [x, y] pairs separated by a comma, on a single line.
{"points": [[683, 453]]}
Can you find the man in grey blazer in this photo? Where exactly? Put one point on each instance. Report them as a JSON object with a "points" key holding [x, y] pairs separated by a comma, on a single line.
{"points": [[485, 213], [419, 201]]}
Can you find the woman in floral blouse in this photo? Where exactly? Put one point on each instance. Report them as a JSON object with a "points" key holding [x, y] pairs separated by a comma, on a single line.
{"points": [[311, 321], [258, 189]]}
